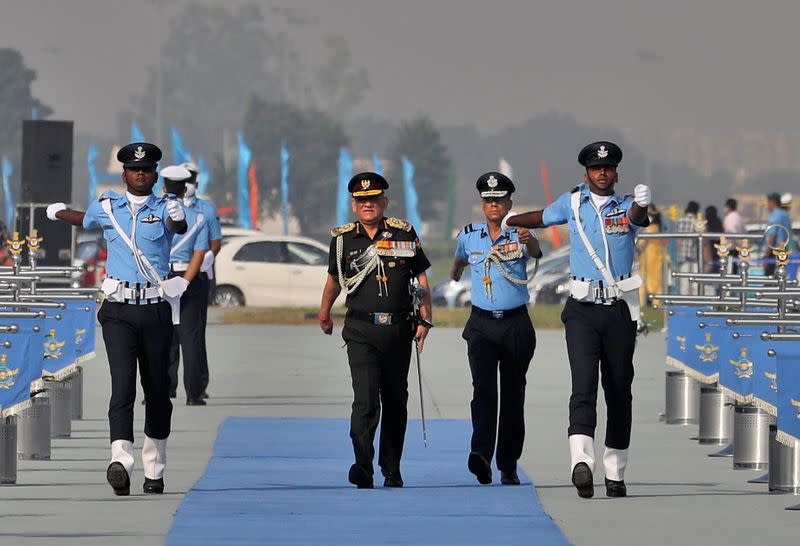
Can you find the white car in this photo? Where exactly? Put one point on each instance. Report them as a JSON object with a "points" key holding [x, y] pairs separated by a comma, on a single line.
{"points": [[270, 271]]}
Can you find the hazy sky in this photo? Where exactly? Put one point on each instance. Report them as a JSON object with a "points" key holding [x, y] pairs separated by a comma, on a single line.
{"points": [[715, 64]]}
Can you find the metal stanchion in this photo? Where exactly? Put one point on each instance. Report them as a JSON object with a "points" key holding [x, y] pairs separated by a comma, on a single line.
{"points": [[716, 417], [60, 409], [682, 399], [751, 438], [33, 429], [76, 385], [8, 450]]}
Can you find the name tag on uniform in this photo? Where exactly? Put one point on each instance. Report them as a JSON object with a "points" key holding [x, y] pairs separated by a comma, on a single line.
{"points": [[616, 225], [402, 249]]}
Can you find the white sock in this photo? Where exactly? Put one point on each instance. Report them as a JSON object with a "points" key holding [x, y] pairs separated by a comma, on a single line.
{"points": [[154, 457], [122, 452], [614, 462], [581, 450]]}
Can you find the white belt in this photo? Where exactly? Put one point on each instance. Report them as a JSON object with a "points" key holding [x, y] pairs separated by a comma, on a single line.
{"points": [[180, 267], [141, 293]]}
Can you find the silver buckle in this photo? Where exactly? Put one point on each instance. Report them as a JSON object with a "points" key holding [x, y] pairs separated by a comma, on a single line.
{"points": [[498, 314], [382, 319]]}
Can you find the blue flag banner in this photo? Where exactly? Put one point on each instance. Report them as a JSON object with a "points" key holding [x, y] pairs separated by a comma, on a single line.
{"points": [[91, 157], [34, 113], [179, 152], [243, 189], [8, 197], [736, 363], [377, 166], [59, 347], [412, 200], [84, 330], [285, 187], [136, 133], [765, 375], [342, 195], [17, 370], [704, 348], [788, 363], [687, 347], [203, 177]]}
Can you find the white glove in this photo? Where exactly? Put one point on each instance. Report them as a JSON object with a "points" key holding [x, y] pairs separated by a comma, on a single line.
{"points": [[175, 210], [184, 283], [54, 208], [208, 261], [504, 224], [641, 195]]}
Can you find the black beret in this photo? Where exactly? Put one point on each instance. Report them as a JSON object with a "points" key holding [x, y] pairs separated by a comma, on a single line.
{"points": [[494, 184], [600, 154], [139, 154], [366, 184]]}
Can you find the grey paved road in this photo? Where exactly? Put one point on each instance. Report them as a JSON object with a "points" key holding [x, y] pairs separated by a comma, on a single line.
{"points": [[677, 494]]}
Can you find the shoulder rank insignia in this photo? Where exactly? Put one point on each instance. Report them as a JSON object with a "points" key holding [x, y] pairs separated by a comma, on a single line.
{"points": [[151, 219], [335, 232], [109, 195], [398, 223], [576, 188], [469, 228]]}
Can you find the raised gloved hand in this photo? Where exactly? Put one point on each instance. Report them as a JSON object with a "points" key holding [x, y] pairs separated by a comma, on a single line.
{"points": [[504, 224], [641, 195], [175, 210], [53, 209]]}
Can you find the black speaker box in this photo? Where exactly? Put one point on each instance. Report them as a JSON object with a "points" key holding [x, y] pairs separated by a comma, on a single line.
{"points": [[46, 161]]}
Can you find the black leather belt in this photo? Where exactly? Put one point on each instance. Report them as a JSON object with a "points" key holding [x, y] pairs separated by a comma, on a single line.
{"points": [[500, 314], [381, 319]]}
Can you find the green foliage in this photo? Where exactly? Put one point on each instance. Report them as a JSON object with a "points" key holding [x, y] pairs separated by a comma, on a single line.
{"points": [[313, 140], [419, 140], [16, 101]]}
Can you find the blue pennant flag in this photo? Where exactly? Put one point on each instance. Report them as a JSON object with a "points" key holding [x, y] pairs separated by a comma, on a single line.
{"points": [[788, 368], [17, 367], [765, 376], [704, 347], [342, 195], [91, 157], [412, 200], [285, 187], [736, 364], [377, 166], [83, 329], [8, 197], [243, 189], [179, 152], [59, 348], [136, 133], [203, 177]]}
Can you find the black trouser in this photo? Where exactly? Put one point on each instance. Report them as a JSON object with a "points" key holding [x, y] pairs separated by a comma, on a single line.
{"points": [[209, 293], [509, 343], [143, 333], [379, 358], [190, 339], [603, 334]]}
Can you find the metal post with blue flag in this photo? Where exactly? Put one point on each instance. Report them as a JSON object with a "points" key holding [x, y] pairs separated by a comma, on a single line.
{"points": [[243, 190], [342, 195], [787, 355], [285, 187], [91, 157], [412, 200], [136, 133], [377, 166], [8, 197], [179, 152], [203, 177]]}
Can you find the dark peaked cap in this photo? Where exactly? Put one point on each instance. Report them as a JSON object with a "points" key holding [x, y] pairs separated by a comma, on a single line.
{"points": [[494, 184], [139, 154], [600, 154], [366, 184]]}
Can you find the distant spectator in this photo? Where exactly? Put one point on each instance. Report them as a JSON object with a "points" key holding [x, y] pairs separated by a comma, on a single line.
{"points": [[713, 225], [776, 236], [687, 248], [733, 223]]}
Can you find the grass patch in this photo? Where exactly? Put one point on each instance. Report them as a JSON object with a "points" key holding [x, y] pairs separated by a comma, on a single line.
{"points": [[544, 316]]}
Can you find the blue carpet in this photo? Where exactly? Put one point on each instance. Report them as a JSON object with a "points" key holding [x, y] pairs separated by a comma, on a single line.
{"points": [[284, 481]]}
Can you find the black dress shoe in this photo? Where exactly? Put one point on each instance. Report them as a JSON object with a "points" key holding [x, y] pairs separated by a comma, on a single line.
{"points": [[118, 479], [393, 480], [479, 466], [359, 477], [583, 480], [616, 488], [509, 477], [204, 395], [153, 486], [196, 402]]}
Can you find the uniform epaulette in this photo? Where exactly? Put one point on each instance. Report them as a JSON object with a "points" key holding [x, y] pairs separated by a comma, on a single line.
{"points": [[335, 232], [398, 223], [469, 228], [576, 188], [109, 195]]}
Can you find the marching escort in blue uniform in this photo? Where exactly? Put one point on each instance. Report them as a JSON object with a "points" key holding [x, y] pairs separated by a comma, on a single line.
{"points": [[140, 307], [601, 314], [499, 332], [186, 260]]}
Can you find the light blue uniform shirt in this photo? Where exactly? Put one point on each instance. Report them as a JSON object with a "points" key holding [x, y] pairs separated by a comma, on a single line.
{"points": [[781, 217], [152, 236], [621, 244], [210, 213], [473, 246], [198, 238]]}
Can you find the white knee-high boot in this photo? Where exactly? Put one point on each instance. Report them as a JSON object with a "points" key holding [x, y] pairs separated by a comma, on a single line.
{"points": [[154, 457], [122, 452], [614, 462], [581, 450]]}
